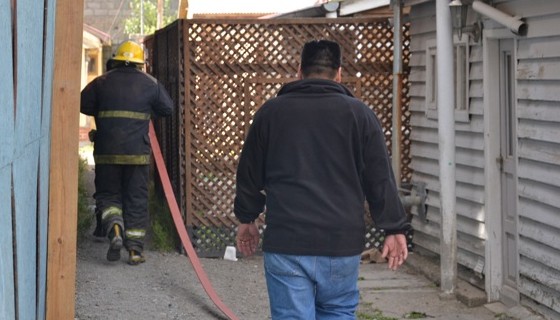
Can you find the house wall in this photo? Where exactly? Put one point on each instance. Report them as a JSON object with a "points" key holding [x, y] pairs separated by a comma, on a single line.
{"points": [[538, 129], [108, 16], [469, 150], [538, 122]]}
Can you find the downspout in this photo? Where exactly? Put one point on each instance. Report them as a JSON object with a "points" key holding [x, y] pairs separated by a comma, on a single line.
{"points": [[446, 133], [397, 90]]}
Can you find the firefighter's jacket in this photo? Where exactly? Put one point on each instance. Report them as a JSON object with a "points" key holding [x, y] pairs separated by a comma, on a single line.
{"points": [[122, 101]]}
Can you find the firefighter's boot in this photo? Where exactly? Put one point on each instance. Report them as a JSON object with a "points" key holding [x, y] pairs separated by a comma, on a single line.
{"points": [[135, 257], [115, 236]]}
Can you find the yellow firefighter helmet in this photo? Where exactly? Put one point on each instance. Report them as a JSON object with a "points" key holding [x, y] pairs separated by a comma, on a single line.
{"points": [[130, 51]]}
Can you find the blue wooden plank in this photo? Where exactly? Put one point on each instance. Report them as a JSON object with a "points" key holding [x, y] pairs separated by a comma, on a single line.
{"points": [[25, 205], [44, 158], [7, 292], [6, 90], [7, 298], [26, 151]]}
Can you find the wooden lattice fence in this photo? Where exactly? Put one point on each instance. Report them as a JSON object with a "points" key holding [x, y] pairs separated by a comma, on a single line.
{"points": [[220, 72]]}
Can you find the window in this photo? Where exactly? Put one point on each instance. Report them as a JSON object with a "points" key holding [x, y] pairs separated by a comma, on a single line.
{"points": [[461, 68], [461, 59], [431, 79]]}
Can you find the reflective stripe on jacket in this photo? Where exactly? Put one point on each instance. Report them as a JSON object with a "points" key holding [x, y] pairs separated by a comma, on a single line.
{"points": [[123, 101]]}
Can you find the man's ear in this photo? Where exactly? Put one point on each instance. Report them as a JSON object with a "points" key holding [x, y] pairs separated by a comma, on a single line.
{"points": [[299, 74], [338, 77]]}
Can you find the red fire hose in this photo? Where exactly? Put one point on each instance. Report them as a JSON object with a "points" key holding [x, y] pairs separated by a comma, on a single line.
{"points": [[180, 226]]}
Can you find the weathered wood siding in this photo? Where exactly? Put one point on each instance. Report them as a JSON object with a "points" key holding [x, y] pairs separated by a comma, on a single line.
{"points": [[538, 129], [27, 59], [22, 175], [7, 289], [469, 149], [538, 122]]}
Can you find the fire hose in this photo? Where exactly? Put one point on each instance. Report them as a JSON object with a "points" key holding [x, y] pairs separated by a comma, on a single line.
{"points": [[181, 229]]}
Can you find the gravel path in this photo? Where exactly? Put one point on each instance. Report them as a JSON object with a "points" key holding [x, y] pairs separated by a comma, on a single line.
{"points": [[165, 286]]}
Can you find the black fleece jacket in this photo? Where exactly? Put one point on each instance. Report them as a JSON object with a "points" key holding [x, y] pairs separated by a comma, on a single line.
{"points": [[312, 156]]}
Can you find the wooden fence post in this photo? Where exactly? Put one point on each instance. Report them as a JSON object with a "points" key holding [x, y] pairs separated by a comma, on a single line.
{"points": [[61, 271]]}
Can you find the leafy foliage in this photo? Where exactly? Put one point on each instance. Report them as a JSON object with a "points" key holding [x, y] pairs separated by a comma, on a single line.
{"points": [[132, 25], [164, 236], [85, 216]]}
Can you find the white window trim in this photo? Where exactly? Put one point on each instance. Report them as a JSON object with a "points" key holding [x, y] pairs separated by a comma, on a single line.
{"points": [[462, 79], [462, 105], [431, 79]]}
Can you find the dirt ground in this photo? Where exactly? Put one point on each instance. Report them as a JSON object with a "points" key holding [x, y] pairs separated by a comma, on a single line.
{"points": [[164, 287]]}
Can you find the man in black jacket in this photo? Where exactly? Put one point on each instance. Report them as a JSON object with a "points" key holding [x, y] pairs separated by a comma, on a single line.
{"points": [[312, 156], [122, 101]]}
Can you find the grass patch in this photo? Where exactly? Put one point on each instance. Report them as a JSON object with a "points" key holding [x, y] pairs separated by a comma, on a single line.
{"points": [[85, 216], [375, 315], [416, 315], [164, 236]]}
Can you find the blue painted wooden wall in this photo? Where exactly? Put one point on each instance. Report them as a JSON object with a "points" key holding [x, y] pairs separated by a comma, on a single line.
{"points": [[7, 289], [26, 71]]}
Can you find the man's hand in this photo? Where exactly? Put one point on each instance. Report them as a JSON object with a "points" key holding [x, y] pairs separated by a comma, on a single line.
{"points": [[395, 250], [248, 238]]}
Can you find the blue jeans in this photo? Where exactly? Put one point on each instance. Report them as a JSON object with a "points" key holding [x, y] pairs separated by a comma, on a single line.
{"points": [[312, 287]]}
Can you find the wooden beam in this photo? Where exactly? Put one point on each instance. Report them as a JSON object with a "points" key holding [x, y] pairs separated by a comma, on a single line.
{"points": [[182, 13], [159, 23], [61, 271]]}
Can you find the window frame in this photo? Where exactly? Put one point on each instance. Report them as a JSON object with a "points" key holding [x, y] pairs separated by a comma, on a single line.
{"points": [[431, 79], [461, 81]]}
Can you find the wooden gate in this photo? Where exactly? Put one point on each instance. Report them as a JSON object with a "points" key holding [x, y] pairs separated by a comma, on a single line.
{"points": [[219, 72]]}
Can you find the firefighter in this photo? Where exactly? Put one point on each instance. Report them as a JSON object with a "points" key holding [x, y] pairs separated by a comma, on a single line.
{"points": [[122, 101]]}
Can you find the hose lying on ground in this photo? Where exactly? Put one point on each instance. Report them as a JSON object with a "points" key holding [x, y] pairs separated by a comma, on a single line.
{"points": [[180, 226]]}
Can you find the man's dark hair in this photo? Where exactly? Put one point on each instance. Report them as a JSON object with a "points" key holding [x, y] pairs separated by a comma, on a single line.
{"points": [[320, 57]]}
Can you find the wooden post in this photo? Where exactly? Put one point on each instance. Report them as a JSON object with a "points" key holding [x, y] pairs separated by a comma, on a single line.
{"points": [[159, 22], [182, 13], [61, 271]]}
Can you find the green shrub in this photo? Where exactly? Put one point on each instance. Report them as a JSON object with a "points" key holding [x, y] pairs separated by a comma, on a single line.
{"points": [[85, 216], [164, 235]]}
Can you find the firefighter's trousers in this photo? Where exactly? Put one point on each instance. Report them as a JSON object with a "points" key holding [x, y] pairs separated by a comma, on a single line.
{"points": [[121, 195]]}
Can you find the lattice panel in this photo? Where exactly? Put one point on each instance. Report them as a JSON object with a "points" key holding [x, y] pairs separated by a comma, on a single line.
{"points": [[375, 238], [230, 69]]}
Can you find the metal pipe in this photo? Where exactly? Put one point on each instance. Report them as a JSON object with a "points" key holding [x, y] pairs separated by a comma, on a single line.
{"points": [[446, 133], [515, 24], [396, 137]]}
